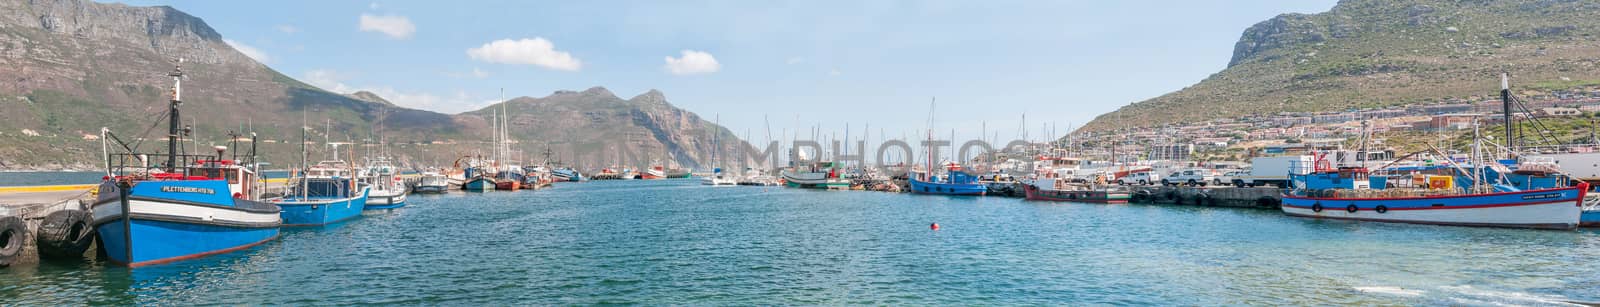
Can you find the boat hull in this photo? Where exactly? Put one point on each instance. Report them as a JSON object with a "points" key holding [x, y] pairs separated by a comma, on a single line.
{"points": [[937, 188], [1031, 192], [814, 181], [478, 185], [431, 189], [317, 212], [380, 201], [168, 221], [1542, 209], [508, 185]]}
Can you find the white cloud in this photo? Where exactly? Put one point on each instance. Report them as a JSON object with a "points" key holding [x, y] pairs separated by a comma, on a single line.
{"points": [[288, 29], [395, 26], [327, 80], [476, 73], [795, 60], [692, 62], [536, 51], [452, 103], [834, 72], [373, 5], [247, 50]]}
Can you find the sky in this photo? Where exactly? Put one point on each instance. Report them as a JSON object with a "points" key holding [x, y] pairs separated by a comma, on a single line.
{"points": [[787, 65]]}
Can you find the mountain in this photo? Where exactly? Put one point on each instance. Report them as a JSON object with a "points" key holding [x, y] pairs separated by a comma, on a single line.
{"points": [[1372, 53], [595, 128], [369, 97], [70, 67]]}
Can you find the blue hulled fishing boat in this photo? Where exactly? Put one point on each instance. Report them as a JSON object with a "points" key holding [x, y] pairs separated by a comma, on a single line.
{"points": [[324, 194], [954, 182], [479, 179], [567, 174], [190, 207]]}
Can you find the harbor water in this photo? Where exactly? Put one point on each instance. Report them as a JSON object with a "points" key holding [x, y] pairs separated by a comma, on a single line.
{"points": [[678, 242]]}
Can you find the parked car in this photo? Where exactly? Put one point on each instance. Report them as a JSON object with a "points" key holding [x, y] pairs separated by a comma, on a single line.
{"points": [[1190, 177], [1140, 178], [1230, 178]]}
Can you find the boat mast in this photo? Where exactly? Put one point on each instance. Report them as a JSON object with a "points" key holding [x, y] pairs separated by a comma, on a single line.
{"points": [[174, 120], [1505, 108], [928, 175]]}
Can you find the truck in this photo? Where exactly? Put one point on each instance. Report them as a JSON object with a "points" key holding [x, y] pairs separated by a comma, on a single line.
{"points": [[1273, 171]]}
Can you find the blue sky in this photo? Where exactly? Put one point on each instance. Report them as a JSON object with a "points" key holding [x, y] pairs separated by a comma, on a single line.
{"points": [[802, 63]]}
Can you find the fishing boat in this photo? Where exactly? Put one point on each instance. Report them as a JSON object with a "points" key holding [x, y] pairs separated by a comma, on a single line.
{"points": [[190, 207], [1479, 192], [718, 178], [752, 177], [432, 183], [654, 172], [567, 174], [677, 173], [1053, 189], [388, 190], [323, 194], [479, 179], [609, 173], [954, 182], [509, 178], [816, 175], [1346, 194]]}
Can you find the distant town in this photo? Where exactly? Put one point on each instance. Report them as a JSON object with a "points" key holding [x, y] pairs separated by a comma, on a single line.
{"points": [[1272, 134]]}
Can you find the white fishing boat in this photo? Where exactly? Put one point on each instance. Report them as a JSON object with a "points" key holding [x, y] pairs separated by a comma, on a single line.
{"points": [[388, 189]]}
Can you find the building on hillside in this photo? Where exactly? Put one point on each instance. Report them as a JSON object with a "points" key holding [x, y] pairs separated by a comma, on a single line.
{"points": [[1446, 108], [1333, 118], [1384, 113], [1456, 121], [1170, 152], [1559, 112], [1213, 142], [1291, 121]]}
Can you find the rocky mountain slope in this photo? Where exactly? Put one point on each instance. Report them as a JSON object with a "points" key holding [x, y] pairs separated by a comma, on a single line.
{"points": [[1372, 53], [595, 128], [69, 67]]}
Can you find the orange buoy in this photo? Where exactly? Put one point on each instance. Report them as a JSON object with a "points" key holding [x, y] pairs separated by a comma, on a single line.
{"points": [[935, 226]]}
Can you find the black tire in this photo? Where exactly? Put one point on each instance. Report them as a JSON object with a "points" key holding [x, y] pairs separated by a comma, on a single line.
{"points": [[1317, 207], [65, 234], [1238, 183], [1192, 183], [12, 231], [1352, 208], [1143, 182], [1267, 202], [1381, 209]]}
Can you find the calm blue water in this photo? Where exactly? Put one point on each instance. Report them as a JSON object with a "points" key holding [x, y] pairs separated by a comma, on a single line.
{"points": [[676, 242]]}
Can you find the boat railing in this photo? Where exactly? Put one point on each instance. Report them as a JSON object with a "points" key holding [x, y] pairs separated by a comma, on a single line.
{"points": [[153, 167]]}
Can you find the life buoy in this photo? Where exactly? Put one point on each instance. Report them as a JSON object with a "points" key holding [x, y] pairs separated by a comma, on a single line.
{"points": [[1381, 209], [1352, 208], [65, 234], [1317, 207], [12, 230]]}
